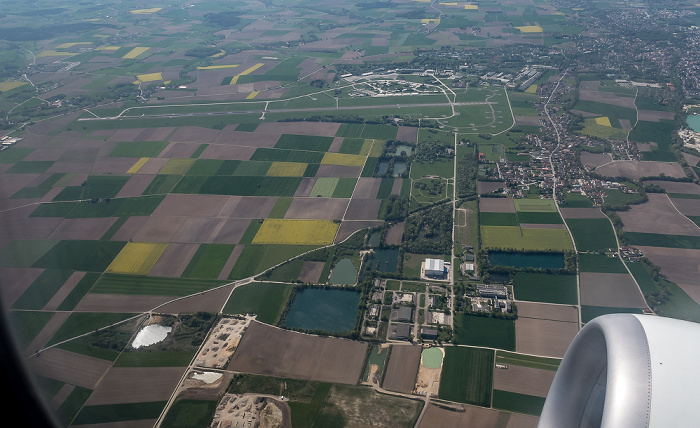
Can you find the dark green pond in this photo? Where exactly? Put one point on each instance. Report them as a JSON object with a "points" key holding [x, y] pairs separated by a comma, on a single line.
{"points": [[525, 260], [385, 260], [333, 311]]}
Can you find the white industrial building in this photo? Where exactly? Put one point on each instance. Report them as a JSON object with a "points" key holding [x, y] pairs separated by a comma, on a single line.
{"points": [[435, 268]]}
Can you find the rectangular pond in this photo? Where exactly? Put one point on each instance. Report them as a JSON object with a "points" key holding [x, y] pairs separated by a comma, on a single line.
{"points": [[333, 311], [527, 260]]}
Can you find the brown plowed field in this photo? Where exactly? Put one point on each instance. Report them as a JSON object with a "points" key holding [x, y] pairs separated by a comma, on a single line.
{"points": [[179, 150], [544, 337], [71, 167], [47, 332], [595, 160], [83, 228], [136, 385], [152, 166], [547, 311], [311, 272], [127, 134], [654, 116], [523, 380], [581, 213], [396, 187], [253, 207], [159, 229], [155, 134], [130, 227], [211, 301], [174, 260], [489, 186], [407, 133], [252, 139], [13, 182], [363, 209], [45, 154], [307, 183], [232, 231], [607, 98], [617, 290], [324, 129], [658, 216], [638, 169], [120, 303], [394, 234], [14, 281], [340, 171], [198, 229], [227, 152], [677, 186], [194, 134], [529, 120], [402, 369], [687, 206], [64, 291], [69, 367], [32, 228], [191, 205], [135, 186], [541, 226], [317, 208], [496, 205], [367, 188], [231, 262], [268, 350], [107, 165], [348, 227], [335, 145], [473, 417], [678, 265]]}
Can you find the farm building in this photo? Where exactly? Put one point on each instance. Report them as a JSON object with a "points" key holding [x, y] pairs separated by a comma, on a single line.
{"points": [[435, 268], [429, 333], [403, 331], [405, 314]]}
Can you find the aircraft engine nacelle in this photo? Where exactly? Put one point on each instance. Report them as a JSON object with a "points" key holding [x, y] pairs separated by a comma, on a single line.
{"points": [[625, 370]]}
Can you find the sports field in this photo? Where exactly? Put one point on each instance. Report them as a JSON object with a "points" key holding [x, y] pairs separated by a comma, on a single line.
{"points": [[296, 232]]}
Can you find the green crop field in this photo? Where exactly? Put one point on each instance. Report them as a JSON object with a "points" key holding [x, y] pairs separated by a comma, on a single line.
{"points": [[266, 300], [107, 413], [30, 167], [590, 312], [540, 287], [512, 358], [79, 291], [467, 375], [576, 200], [519, 403], [208, 261], [592, 234], [169, 358], [79, 323], [89, 256], [539, 217], [498, 219], [103, 186], [600, 263], [484, 331], [72, 404], [442, 168], [304, 142], [27, 324], [351, 146], [535, 205], [190, 413], [40, 292], [324, 187], [152, 285], [525, 239], [24, 253], [677, 303], [344, 188], [256, 258], [659, 240]]}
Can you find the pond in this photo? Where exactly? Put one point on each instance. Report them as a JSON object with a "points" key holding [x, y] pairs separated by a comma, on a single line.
{"points": [[526, 260], [344, 273], [334, 311], [373, 240], [150, 335], [385, 260], [404, 149], [694, 122], [399, 168], [432, 358]]}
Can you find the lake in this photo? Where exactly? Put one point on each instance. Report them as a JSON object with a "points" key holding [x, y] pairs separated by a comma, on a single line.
{"points": [[385, 260], [694, 122], [334, 311], [526, 260], [151, 334], [343, 273]]}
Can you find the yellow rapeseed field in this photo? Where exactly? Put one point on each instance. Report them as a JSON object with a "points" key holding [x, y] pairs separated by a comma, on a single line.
{"points": [[531, 89], [343, 159], [287, 169], [603, 120], [243, 73], [296, 232], [146, 11], [70, 45], [135, 52], [137, 166], [150, 77], [430, 20], [252, 95], [471, 6], [137, 258], [530, 29], [7, 86], [177, 166], [217, 67]]}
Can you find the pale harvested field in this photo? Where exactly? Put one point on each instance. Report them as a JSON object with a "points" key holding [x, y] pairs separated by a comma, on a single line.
{"points": [[152, 166], [14, 281], [473, 417], [607, 98], [544, 337], [230, 152], [47, 332], [610, 289], [402, 368], [363, 209], [348, 227], [396, 188], [159, 229], [677, 186], [272, 351], [547, 311], [488, 186], [197, 229], [394, 234], [658, 215], [541, 226], [367, 188], [305, 187], [496, 205], [523, 380], [581, 213], [595, 160], [251, 139], [83, 228], [191, 205], [135, 186], [120, 303], [689, 207], [130, 227], [678, 265], [340, 171], [407, 133], [64, 291], [174, 260], [317, 208], [194, 134], [109, 165], [212, 301], [69, 367], [324, 129], [232, 231], [311, 272], [179, 150], [136, 385], [637, 169], [655, 116], [251, 207]]}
